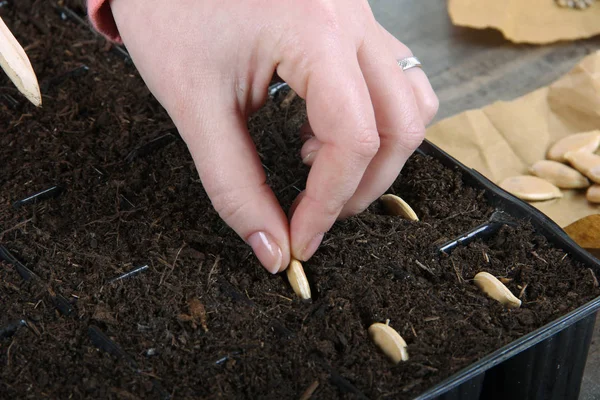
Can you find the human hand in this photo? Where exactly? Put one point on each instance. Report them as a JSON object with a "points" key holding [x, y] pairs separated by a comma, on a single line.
{"points": [[209, 64]]}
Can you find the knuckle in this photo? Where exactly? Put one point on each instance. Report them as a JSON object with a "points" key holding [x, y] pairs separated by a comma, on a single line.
{"points": [[431, 106], [366, 144], [231, 204], [412, 139]]}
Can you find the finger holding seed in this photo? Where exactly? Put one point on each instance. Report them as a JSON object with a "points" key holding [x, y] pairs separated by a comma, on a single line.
{"points": [[559, 174], [496, 290], [298, 281]]}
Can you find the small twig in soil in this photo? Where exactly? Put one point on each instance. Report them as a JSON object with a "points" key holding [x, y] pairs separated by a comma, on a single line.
{"points": [[17, 226], [483, 231], [310, 390], [458, 275], [152, 146], [212, 270], [52, 192], [25, 272], [129, 274], [536, 255], [594, 279], [12, 328], [423, 267], [522, 291], [279, 295], [412, 328]]}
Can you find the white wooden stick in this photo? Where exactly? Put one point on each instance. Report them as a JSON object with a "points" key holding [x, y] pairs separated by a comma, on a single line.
{"points": [[17, 66]]}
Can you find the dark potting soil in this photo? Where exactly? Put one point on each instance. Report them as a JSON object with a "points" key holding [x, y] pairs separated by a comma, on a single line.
{"points": [[204, 320]]}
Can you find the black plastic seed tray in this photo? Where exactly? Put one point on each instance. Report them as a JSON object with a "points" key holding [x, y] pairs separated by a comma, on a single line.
{"points": [[546, 364]]}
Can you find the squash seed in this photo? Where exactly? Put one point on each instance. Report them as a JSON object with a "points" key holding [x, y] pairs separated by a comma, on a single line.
{"points": [[586, 163], [593, 194], [394, 205], [559, 174], [585, 142], [389, 341], [298, 281], [530, 188], [496, 290]]}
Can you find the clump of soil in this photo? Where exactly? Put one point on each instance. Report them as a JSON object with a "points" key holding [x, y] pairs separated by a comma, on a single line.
{"points": [[204, 319]]}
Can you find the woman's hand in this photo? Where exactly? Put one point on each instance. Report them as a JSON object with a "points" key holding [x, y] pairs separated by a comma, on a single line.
{"points": [[209, 64]]}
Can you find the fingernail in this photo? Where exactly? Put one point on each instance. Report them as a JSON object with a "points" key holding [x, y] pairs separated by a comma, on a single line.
{"points": [[312, 247], [308, 160], [266, 250]]}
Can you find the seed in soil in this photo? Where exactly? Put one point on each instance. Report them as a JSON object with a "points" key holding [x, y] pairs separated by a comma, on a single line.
{"points": [[298, 281], [45, 194], [12, 328], [495, 289], [559, 174], [104, 343], [530, 188], [25, 272], [593, 194], [497, 220], [389, 341], [394, 205], [584, 142], [129, 274], [62, 305], [586, 163]]}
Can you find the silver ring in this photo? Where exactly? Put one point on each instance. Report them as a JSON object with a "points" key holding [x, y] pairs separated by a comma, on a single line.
{"points": [[409, 62]]}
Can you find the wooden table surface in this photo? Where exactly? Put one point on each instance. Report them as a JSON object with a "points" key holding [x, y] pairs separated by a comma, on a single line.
{"points": [[472, 68]]}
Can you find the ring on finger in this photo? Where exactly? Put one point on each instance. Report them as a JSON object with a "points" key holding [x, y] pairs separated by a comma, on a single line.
{"points": [[409, 62]]}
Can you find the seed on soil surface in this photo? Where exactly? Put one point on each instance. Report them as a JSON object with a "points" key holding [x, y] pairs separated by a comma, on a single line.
{"points": [[593, 194], [495, 289], [586, 163], [297, 278], [530, 188], [559, 174], [581, 142], [389, 341], [49, 193], [394, 205]]}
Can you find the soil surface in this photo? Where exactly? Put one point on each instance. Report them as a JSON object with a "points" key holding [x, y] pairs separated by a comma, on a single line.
{"points": [[204, 320]]}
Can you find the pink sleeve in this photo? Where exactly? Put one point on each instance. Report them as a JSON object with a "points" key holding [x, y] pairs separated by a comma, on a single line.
{"points": [[102, 19]]}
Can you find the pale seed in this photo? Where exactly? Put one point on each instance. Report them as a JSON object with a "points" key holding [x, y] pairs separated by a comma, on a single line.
{"points": [[593, 194], [584, 142], [559, 174], [389, 341], [394, 205], [496, 290], [586, 163], [297, 279], [530, 188]]}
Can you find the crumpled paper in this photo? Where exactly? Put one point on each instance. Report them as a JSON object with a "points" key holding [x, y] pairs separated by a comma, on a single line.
{"points": [[505, 138], [527, 21]]}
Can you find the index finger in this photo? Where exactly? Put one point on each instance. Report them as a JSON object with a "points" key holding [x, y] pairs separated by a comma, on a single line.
{"points": [[342, 117]]}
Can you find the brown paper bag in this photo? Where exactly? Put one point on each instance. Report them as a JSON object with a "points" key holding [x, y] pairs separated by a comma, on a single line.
{"points": [[505, 138], [527, 21]]}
